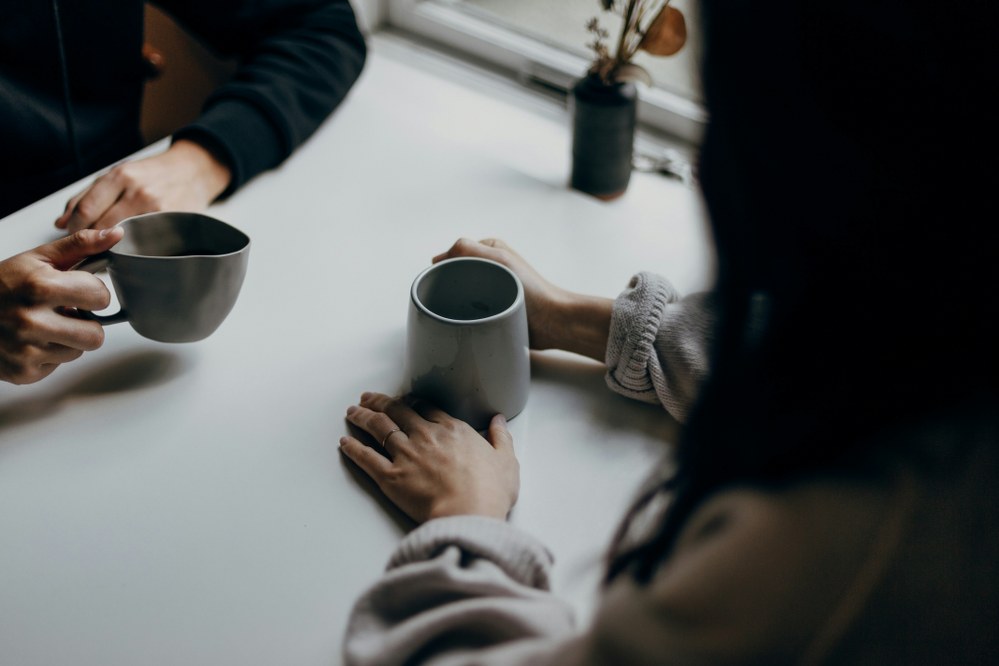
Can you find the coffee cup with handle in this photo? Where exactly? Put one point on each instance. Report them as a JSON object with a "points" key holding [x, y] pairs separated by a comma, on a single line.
{"points": [[176, 275]]}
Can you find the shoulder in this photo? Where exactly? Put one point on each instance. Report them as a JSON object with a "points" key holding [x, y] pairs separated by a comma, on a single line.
{"points": [[756, 574]]}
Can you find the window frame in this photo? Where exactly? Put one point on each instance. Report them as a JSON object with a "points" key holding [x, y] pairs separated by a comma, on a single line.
{"points": [[533, 62]]}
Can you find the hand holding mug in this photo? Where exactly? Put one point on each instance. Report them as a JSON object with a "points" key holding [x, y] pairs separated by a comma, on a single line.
{"points": [[39, 299], [556, 318], [541, 297], [434, 465]]}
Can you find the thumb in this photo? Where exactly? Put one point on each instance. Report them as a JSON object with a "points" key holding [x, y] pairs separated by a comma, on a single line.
{"points": [[499, 436], [72, 249]]}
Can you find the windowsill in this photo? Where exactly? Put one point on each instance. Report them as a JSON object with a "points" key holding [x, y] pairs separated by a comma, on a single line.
{"points": [[500, 84]]}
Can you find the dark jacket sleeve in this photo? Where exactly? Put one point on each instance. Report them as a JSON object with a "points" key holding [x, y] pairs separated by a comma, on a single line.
{"points": [[297, 60]]}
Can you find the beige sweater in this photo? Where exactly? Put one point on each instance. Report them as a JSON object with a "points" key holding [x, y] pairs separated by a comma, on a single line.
{"points": [[902, 569]]}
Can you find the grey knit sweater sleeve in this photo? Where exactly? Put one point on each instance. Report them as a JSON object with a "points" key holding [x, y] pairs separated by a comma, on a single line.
{"points": [[460, 589], [657, 349]]}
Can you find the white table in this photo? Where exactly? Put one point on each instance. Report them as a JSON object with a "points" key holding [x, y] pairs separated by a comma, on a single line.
{"points": [[187, 504]]}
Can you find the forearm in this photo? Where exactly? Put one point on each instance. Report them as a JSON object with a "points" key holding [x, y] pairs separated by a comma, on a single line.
{"points": [[657, 350], [654, 343], [297, 58], [579, 324], [458, 586], [210, 173]]}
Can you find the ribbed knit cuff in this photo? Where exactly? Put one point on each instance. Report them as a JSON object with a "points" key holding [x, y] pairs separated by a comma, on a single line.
{"points": [[518, 554], [635, 320]]}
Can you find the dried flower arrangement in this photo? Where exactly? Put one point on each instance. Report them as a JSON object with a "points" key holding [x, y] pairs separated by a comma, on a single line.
{"points": [[652, 26]]}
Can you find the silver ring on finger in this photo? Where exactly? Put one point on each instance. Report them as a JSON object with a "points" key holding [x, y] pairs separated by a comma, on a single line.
{"points": [[389, 434]]}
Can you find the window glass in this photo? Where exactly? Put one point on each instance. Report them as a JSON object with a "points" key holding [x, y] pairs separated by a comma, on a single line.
{"points": [[562, 23], [546, 43]]}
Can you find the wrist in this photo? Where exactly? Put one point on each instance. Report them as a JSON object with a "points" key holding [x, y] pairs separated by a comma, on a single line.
{"points": [[212, 172], [581, 324], [446, 509]]}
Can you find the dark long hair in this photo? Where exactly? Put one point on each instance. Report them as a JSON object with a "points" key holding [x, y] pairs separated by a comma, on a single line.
{"points": [[850, 174]]}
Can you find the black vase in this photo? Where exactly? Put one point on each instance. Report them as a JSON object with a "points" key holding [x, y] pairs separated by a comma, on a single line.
{"points": [[603, 136]]}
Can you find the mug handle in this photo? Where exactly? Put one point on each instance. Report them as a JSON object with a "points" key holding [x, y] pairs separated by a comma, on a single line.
{"points": [[95, 264]]}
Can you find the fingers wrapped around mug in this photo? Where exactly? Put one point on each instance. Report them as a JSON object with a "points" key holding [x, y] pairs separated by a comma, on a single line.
{"points": [[433, 465], [39, 299]]}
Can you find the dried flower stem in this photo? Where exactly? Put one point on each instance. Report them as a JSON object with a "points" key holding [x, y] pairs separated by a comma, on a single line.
{"points": [[628, 13]]}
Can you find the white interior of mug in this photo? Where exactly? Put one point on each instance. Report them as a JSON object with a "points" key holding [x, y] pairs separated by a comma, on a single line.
{"points": [[467, 289]]}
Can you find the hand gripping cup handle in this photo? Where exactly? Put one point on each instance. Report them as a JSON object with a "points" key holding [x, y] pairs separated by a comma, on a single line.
{"points": [[96, 264], [176, 275]]}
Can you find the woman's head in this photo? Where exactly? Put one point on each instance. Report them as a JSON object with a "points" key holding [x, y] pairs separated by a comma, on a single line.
{"points": [[836, 127], [837, 176], [849, 172]]}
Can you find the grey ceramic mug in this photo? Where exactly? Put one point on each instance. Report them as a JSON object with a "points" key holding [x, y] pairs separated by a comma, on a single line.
{"points": [[467, 345], [176, 275]]}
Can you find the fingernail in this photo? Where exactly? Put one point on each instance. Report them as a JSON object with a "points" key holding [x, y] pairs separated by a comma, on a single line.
{"points": [[351, 409], [501, 420], [105, 232], [343, 440], [365, 396]]}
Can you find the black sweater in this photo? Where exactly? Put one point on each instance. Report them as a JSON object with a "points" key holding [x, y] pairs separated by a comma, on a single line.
{"points": [[72, 76]]}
